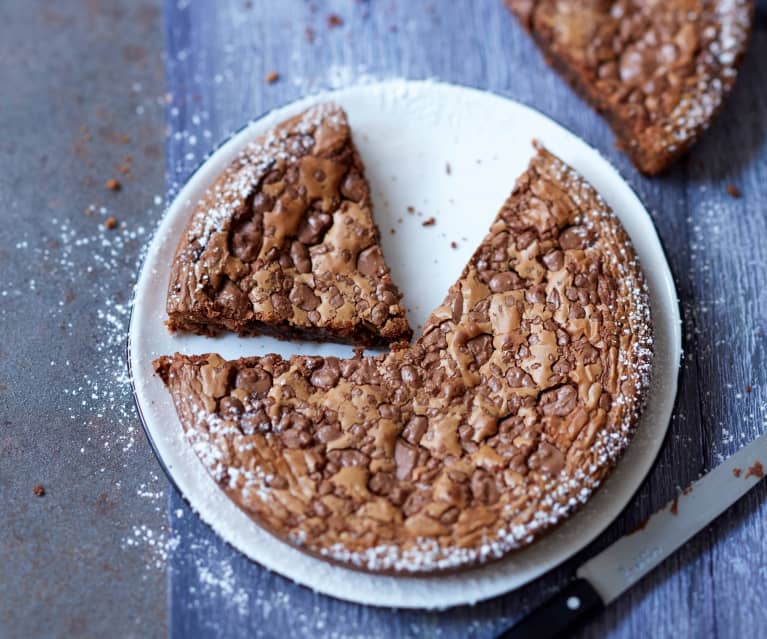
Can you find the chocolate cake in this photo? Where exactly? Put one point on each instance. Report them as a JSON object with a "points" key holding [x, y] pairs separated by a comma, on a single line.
{"points": [[284, 243], [658, 71], [495, 425]]}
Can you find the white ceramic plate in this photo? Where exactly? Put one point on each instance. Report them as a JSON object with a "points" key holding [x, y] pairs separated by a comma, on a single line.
{"points": [[407, 133]]}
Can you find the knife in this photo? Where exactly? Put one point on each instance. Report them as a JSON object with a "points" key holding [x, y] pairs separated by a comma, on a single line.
{"points": [[606, 576]]}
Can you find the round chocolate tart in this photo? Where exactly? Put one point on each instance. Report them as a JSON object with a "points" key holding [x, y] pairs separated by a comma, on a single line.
{"points": [[496, 424]]}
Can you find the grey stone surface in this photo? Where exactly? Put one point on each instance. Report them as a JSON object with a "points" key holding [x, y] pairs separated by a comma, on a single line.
{"points": [[76, 77]]}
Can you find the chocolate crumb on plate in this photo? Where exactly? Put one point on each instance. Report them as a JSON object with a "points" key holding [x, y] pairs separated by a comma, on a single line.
{"points": [[736, 472], [733, 190], [500, 421], [272, 77], [113, 185], [39, 490], [429, 222], [110, 223], [334, 20]]}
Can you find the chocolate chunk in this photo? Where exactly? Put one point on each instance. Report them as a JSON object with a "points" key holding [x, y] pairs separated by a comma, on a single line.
{"points": [[300, 256], [303, 297], [370, 262], [574, 237], [554, 260], [415, 429], [354, 187], [327, 376], [560, 401], [254, 380], [405, 456], [502, 282]]}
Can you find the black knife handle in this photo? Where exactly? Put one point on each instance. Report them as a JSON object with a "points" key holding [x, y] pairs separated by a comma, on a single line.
{"points": [[561, 615]]}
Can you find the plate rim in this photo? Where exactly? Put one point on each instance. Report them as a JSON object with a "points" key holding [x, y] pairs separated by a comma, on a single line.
{"points": [[676, 343]]}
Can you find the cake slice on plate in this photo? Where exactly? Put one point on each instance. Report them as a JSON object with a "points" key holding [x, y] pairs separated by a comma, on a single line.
{"points": [[658, 71], [499, 422], [284, 243]]}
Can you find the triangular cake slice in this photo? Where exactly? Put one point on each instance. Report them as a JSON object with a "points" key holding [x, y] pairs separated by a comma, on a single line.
{"points": [[500, 421], [284, 243], [658, 71]]}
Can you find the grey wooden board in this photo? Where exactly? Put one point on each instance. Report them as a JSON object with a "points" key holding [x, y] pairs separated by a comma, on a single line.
{"points": [[217, 57], [64, 570]]}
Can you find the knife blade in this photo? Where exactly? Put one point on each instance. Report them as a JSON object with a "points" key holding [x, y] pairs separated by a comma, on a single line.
{"points": [[606, 576]]}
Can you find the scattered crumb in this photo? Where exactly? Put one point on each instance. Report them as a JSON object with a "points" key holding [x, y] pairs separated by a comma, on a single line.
{"points": [[733, 190], [392, 231], [125, 139], [110, 222], [448, 170], [638, 527], [124, 168], [748, 388], [756, 470], [429, 222], [453, 245], [334, 20], [113, 185], [410, 210], [675, 506], [88, 210], [687, 490], [272, 77], [309, 35], [39, 490], [736, 472]]}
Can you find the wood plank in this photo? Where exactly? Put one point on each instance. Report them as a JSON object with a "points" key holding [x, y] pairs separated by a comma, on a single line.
{"points": [[217, 57]]}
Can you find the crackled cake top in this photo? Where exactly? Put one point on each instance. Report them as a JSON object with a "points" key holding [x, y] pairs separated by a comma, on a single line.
{"points": [[500, 420], [284, 243], [659, 71]]}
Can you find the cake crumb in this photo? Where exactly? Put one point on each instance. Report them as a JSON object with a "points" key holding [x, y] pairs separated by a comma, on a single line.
{"points": [[429, 222], [309, 35], [272, 77], [748, 389], [453, 245], [756, 470], [410, 210], [733, 190], [113, 185], [736, 472], [125, 139], [110, 223], [334, 20], [39, 490], [675, 506]]}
